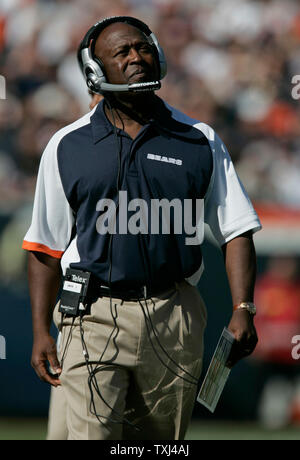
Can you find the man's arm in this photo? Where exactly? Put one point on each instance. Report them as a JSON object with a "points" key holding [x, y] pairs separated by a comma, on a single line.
{"points": [[240, 262], [44, 276]]}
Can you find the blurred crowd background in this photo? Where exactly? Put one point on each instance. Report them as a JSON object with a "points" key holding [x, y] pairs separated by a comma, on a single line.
{"points": [[230, 64]]}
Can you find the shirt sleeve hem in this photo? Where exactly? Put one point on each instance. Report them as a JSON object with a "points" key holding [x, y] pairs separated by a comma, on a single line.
{"points": [[254, 227], [29, 246]]}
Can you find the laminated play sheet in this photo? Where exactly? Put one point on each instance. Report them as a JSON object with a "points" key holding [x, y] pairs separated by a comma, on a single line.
{"points": [[218, 373]]}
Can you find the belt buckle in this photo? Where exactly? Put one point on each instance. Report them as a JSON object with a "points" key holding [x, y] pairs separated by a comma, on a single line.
{"points": [[105, 289]]}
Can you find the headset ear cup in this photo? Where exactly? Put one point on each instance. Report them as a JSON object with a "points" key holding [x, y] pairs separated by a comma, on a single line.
{"points": [[93, 83], [101, 67], [92, 71], [100, 74]]}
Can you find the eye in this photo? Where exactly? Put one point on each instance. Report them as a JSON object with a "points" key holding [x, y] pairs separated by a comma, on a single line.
{"points": [[121, 52], [146, 48]]}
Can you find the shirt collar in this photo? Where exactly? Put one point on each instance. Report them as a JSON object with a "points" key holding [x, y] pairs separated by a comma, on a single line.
{"points": [[161, 122], [101, 127]]}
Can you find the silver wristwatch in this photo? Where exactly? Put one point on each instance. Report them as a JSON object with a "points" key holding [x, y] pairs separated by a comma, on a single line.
{"points": [[249, 306]]}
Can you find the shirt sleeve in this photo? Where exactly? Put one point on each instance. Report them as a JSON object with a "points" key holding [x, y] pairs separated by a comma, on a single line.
{"points": [[52, 219], [228, 209]]}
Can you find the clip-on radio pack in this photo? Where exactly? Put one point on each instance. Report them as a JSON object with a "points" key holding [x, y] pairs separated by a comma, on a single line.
{"points": [[76, 293]]}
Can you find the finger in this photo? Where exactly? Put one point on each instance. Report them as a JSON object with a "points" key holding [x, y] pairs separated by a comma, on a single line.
{"points": [[237, 353], [246, 347], [54, 363], [234, 355], [44, 375], [52, 379], [251, 341]]}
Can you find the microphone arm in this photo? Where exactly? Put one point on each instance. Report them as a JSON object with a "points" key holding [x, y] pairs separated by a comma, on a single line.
{"points": [[133, 87]]}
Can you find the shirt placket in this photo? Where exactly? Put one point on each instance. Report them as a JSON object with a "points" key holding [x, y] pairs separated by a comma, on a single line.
{"points": [[135, 143]]}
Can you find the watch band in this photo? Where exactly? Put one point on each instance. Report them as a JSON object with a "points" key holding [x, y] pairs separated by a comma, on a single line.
{"points": [[249, 306]]}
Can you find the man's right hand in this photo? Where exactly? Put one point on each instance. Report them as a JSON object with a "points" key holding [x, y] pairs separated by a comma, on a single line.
{"points": [[44, 352], [44, 276]]}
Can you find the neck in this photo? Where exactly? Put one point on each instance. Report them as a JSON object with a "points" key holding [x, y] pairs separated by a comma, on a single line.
{"points": [[129, 109]]}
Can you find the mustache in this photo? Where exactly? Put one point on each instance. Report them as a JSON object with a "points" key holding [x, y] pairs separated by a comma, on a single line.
{"points": [[145, 68]]}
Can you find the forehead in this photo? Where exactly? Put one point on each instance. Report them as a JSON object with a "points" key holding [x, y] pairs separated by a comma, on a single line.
{"points": [[117, 34]]}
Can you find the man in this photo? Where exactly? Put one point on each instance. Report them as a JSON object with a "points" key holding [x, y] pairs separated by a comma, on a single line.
{"points": [[119, 194]]}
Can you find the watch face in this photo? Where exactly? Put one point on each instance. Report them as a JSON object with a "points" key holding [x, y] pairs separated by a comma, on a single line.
{"points": [[250, 307]]}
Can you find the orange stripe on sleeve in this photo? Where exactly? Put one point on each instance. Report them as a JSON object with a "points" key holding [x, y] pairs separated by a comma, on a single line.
{"points": [[41, 248]]}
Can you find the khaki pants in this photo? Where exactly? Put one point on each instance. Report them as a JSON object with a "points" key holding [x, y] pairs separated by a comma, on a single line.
{"points": [[57, 422], [133, 383]]}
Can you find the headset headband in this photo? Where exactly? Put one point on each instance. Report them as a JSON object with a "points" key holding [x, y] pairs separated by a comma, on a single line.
{"points": [[92, 67], [97, 28]]}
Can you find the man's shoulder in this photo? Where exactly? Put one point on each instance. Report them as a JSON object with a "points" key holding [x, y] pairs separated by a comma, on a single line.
{"points": [[68, 129], [182, 117]]}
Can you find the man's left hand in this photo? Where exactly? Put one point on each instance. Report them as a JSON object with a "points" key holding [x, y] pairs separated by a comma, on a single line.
{"points": [[243, 329]]}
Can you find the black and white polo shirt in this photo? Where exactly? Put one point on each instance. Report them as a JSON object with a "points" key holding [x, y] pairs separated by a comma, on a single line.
{"points": [[145, 199]]}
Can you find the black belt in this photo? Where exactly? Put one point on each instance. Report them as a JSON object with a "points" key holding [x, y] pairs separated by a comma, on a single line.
{"points": [[92, 288], [131, 295]]}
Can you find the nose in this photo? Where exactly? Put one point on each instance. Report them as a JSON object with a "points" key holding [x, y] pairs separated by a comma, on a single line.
{"points": [[134, 55]]}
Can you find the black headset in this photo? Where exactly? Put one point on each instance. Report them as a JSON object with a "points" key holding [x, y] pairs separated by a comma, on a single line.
{"points": [[93, 69]]}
